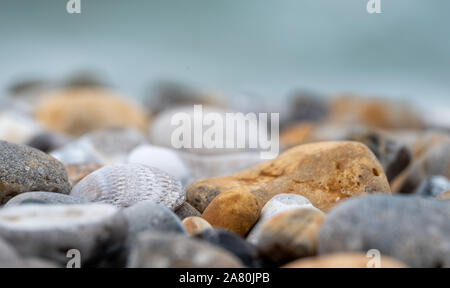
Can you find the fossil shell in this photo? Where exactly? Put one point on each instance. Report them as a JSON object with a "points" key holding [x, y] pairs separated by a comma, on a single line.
{"points": [[123, 185]]}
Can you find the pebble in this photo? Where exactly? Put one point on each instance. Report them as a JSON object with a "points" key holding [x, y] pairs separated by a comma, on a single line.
{"points": [[435, 161], [25, 169], [195, 225], [147, 216], [77, 172], [325, 173], [246, 252], [98, 231], [345, 260], [290, 235], [47, 142], [155, 250], [10, 259], [162, 158], [76, 111], [124, 185], [393, 155], [186, 210], [278, 204], [433, 186], [43, 198], [444, 195], [414, 230], [307, 106], [107, 146], [236, 211], [17, 127]]}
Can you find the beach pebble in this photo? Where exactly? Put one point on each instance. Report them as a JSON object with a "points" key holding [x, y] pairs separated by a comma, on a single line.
{"points": [[186, 210], [147, 216], [124, 185], [246, 252], [107, 146], [10, 259], [393, 155], [47, 142], [433, 186], [77, 172], [43, 198], [290, 235], [278, 204], [25, 169], [307, 106], [155, 250], [17, 127], [75, 111], [195, 225], [98, 231], [435, 161], [444, 195], [345, 260], [162, 158], [236, 211], [414, 230], [325, 173]]}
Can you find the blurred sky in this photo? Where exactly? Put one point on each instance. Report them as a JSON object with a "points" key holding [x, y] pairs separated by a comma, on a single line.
{"points": [[256, 47]]}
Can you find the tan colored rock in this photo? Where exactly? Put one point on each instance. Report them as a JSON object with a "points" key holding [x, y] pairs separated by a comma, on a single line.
{"points": [[373, 113], [196, 225], [291, 235], [76, 111], [344, 260], [297, 134], [77, 172], [325, 173], [236, 211], [444, 195]]}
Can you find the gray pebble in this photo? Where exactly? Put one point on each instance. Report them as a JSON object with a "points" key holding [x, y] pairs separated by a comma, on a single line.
{"points": [[414, 230], [43, 198], [187, 210]]}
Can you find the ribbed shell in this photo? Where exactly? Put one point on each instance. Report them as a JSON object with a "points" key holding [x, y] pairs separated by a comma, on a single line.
{"points": [[123, 185]]}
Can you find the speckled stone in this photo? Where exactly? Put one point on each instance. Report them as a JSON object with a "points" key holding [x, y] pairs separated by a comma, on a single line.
{"points": [[245, 251], [291, 235], [155, 250], [147, 216], [414, 230], [186, 210], [43, 198], [278, 204], [98, 231], [25, 169]]}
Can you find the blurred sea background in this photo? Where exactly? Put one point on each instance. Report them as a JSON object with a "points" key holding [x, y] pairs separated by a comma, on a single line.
{"points": [[259, 50]]}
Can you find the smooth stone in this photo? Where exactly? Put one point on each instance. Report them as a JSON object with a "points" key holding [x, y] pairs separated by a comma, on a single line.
{"points": [[307, 106], [162, 158], [16, 126], [10, 259], [414, 230], [278, 204], [344, 260], [236, 211], [47, 142], [204, 166], [433, 186], [25, 169], [155, 250], [43, 198], [147, 216], [290, 235], [98, 231], [196, 225], [393, 155], [107, 146], [186, 210], [124, 185], [76, 111], [77, 172], [326, 173], [246, 252]]}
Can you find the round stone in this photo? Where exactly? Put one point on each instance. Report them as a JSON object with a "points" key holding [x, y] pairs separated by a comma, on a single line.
{"points": [[43, 198], [195, 225]]}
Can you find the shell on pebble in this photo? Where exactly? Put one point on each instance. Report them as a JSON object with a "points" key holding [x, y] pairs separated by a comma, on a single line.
{"points": [[162, 158], [44, 198], [108, 146], [278, 204], [123, 185], [97, 231]]}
